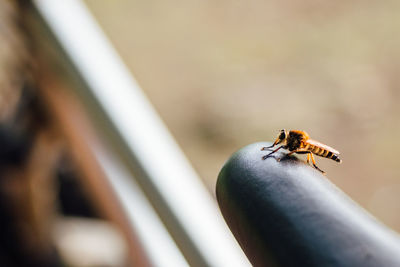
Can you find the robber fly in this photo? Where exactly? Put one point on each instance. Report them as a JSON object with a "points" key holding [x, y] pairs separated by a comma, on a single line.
{"points": [[299, 142]]}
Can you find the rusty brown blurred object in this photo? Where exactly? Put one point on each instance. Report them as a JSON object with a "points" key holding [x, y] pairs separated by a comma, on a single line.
{"points": [[30, 150], [72, 121], [71, 127], [14, 59], [32, 143], [29, 192]]}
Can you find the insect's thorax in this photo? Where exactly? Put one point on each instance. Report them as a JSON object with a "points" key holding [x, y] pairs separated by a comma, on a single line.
{"points": [[295, 140]]}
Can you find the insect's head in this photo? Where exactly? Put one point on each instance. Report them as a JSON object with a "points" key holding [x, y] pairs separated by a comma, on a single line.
{"points": [[281, 137]]}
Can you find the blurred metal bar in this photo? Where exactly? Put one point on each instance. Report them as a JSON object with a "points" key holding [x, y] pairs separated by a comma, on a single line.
{"points": [[154, 238], [148, 150], [108, 183]]}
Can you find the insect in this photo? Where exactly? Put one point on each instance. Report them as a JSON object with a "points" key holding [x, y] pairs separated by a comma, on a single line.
{"points": [[299, 142]]}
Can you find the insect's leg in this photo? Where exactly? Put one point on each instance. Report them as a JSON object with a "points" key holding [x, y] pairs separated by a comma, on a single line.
{"points": [[268, 155], [271, 146], [268, 147], [291, 153], [299, 151], [313, 161], [295, 151], [309, 155], [305, 152]]}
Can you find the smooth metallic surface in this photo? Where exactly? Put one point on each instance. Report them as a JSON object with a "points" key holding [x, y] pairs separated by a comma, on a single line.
{"points": [[151, 154]]}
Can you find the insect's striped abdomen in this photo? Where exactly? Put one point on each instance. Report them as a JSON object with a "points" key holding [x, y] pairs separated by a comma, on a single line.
{"points": [[319, 151], [335, 157], [323, 152]]}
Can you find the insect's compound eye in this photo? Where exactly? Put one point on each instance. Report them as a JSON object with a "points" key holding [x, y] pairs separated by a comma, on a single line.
{"points": [[282, 135]]}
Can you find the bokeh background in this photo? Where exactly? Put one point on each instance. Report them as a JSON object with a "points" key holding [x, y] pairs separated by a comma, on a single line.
{"points": [[223, 74]]}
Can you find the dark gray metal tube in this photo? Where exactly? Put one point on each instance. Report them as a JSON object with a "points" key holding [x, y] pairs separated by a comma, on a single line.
{"points": [[288, 214]]}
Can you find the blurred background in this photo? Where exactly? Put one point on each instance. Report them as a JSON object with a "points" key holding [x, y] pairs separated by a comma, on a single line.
{"points": [[221, 75], [229, 73]]}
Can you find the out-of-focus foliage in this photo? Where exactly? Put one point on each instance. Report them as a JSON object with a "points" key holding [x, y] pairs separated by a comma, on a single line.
{"points": [[223, 74]]}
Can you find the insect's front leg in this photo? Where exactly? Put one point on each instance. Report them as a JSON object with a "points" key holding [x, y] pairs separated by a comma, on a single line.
{"points": [[269, 155], [277, 141], [268, 147]]}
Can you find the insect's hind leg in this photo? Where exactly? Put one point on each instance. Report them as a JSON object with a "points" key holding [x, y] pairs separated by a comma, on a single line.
{"points": [[302, 152], [299, 151], [313, 161], [309, 155]]}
